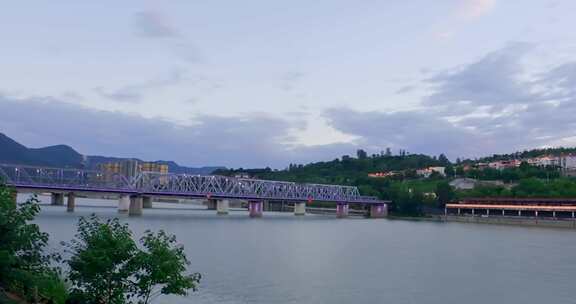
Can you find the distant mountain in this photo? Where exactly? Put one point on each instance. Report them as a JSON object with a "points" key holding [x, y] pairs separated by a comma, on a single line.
{"points": [[12, 152], [57, 156]]}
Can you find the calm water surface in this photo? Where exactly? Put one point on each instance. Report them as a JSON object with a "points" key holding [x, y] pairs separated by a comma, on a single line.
{"points": [[319, 259]]}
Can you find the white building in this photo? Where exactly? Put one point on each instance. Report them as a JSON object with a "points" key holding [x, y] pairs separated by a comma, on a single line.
{"points": [[544, 161], [463, 183], [568, 162], [428, 171]]}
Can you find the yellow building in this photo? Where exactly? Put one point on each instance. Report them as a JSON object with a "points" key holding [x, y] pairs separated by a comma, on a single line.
{"points": [[154, 167], [130, 168]]}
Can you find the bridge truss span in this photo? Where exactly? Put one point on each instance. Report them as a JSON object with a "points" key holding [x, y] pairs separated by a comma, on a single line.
{"points": [[151, 183], [64, 178], [244, 188]]}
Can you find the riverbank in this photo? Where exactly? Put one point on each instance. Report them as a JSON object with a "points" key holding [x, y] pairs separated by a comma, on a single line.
{"points": [[426, 218], [495, 220], [517, 221]]}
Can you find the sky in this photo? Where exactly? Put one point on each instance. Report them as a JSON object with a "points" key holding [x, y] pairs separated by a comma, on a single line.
{"points": [[258, 83]]}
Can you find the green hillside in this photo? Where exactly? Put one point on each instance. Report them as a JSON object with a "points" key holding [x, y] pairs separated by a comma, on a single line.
{"points": [[413, 195]]}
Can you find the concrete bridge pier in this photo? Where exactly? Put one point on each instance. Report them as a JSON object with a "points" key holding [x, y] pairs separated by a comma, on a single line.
{"points": [[135, 208], [57, 199], [211, 204], [266, 206], [378, 210], [71, 202], [300, 208], [342, 210], [222, 207], [147, 202], [124, 204], [255, 208]]}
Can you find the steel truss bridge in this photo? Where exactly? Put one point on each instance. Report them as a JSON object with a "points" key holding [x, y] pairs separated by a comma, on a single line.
{"points": [[180, 185]]}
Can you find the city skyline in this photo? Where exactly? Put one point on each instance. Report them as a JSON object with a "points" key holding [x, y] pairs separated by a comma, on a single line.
{"points": [[265, 84]]}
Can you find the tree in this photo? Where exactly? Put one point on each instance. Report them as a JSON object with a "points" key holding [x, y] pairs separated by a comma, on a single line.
{"points": [[107, 266], [21, 243], [460, 171], [443, 160], [388, 152], [444, 193], [450, 171], [101, 262], [162, 267], [24, 265]]}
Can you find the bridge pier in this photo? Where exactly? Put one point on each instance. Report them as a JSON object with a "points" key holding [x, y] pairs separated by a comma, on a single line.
{"points": [[300, 208], [211, 204], [222, 207], [71, 203], [147, 202], [255, 208], [57, 199], [135, 208], [124, 203], [342, 210], [378, 210]]}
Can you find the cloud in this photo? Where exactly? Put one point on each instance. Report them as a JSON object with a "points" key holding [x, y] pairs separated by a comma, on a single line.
{"points": [[492, 80], [153, 24], [134, 93], [405, 89], [484, 107], [423, 132], [477, 109], [416, 131], [561, 80], [476, 8], [290, 80], [253, 140], [443, 35]]}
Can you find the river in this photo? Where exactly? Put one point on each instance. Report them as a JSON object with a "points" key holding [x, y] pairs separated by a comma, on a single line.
{"points": [[282, 258]]}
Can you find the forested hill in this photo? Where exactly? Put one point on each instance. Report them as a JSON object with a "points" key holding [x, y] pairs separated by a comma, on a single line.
{"points": [[346, 170], [528, 154]]}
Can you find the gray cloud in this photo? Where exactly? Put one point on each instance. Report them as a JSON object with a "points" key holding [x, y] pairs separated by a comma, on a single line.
{"points": [[493, 80], [477, 109], [253, 140], [416, 131], [514, 115], [290, 80], [153, 24], [405, 89], [423, 132], [134, 93], [561, 81]]}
